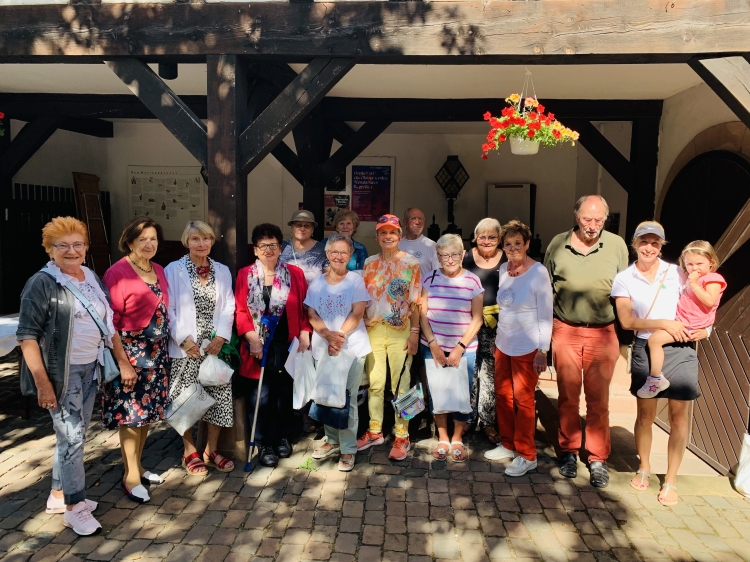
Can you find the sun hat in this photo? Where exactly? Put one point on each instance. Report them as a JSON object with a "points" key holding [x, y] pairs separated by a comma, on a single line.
{"points": [[388, 220], [650, 228], [302, 216]]}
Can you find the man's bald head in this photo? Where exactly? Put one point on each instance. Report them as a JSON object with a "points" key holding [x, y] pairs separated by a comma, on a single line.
{"points": [[591, 212], [413, 222]]}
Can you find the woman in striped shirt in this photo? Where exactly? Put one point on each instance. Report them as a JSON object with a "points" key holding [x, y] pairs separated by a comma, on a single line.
{"points": [[451, 315]]}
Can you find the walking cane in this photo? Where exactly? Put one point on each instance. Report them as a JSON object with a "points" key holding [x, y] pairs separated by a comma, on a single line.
{"points": [[270, 322]]}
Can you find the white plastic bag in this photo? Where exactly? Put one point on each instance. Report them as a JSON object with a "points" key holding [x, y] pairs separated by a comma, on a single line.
{"points": [[304, 379], [742, 480], [449, 387], [330, 380], [214, 372]]}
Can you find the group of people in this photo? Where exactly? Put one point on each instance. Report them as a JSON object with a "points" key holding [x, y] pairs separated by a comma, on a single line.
{"points": [[492, 320]]}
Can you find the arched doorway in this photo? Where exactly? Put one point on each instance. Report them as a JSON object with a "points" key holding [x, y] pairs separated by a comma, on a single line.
{"points": [[703, 201]]}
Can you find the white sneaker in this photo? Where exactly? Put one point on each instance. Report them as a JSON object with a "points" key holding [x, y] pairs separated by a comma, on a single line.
{"points": [[653, 386], [81, 521], [499, 453], [519, 467], [57, 505]]}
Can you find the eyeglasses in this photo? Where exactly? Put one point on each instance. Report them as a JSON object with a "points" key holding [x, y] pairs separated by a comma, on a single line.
{"points": [[589, 220], [513, 247], [487, 238], [446, 257], [338, 254], [268, 247], [63, 247]]}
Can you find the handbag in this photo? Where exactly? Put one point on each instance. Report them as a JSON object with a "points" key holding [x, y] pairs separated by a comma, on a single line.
{"points": [[449, 387], [330, 379], [188, 407], [110, 370], [629, 364], [337, 418], [411, 403]]}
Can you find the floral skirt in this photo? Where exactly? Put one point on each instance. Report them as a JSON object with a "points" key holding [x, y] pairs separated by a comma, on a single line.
{"points": [[141, 406]]}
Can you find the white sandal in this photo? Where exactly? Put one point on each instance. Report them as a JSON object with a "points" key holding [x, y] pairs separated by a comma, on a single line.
{"points": [[663, 500], [441, 452], [645, 475], [457, 454]]}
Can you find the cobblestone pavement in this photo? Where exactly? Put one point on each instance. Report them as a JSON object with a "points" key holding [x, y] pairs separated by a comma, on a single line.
{"points": [[413, 511]]}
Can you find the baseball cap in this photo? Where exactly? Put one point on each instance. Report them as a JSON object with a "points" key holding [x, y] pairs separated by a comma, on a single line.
{"points": [[388, 220], [650, 228], [303, 216]]}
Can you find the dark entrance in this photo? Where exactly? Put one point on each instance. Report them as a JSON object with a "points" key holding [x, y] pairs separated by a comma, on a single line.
{"points": [[701, 204]]}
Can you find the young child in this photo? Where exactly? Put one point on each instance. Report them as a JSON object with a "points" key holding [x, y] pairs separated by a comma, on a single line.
{"points": [[696, 308]]}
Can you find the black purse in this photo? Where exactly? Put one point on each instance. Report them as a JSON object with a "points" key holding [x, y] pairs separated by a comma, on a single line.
{"points": [[338, 418]]}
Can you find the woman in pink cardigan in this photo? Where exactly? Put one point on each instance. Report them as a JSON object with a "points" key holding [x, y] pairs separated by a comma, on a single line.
{"points": [[138, 290]]}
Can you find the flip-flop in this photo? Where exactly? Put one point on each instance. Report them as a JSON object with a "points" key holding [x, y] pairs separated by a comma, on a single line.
{"points": [[493, 437], [643, 480], [320, 453], [441, 452], [662, 499], [458, 455]]}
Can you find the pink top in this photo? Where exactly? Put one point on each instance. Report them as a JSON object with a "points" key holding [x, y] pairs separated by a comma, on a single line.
{"points": [[692, 312], [133, 302]]}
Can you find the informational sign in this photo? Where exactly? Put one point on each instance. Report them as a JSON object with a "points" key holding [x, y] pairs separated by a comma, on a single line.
{"points": [[172, 196], [371, 191], [334, 203]]}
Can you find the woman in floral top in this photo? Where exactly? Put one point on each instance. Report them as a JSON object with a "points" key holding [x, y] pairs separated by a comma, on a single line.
{"points": [[138, 289], [393, 280]]}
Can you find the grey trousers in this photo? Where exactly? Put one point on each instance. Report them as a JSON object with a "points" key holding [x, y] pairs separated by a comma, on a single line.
{"points": [[70, 420], [346, 439]]}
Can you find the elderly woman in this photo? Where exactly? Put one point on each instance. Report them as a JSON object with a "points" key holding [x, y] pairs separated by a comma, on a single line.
{"points": [[201, 307], [138, 290], [301, 250], [336, 304], [484, 262], [271, 288], [451, 314], [524, 330], [646, 296], [346, 223], [393, 280], [62, 349]]}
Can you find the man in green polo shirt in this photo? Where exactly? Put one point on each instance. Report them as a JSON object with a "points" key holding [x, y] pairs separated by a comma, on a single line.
{"points": [[582, 264]]}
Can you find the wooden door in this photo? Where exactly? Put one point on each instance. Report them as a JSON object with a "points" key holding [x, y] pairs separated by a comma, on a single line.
{"points": [[710, 200], [89, 210]]}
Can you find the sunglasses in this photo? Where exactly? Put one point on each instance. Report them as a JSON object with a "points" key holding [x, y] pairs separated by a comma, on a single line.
{"points": [[389, 220]]}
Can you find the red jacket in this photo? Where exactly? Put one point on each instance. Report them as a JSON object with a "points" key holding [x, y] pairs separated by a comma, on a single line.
{"points": [[133, 303], [295, 315]]}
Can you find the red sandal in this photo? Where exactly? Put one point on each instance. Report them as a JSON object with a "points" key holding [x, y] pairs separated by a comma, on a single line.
{"points": [[220, 462], [193, 464]]}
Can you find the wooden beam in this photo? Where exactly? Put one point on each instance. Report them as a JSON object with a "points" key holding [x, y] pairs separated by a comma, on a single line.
{"points": [[29, 139], [729, 78], [736, 235], [164, 104], [344, 156], [340, 131], [644, 157], [92, 127], [289, 108], [471, 32], [288, 159], [6, 185], [603, 152], [227, 194], [473, 109]]}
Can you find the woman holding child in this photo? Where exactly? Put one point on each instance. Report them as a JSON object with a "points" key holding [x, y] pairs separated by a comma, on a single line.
{"points": [[649, 295]]}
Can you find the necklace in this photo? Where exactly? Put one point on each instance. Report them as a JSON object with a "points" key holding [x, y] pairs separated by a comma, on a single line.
{"points": [[517, 270], [139, 267]]}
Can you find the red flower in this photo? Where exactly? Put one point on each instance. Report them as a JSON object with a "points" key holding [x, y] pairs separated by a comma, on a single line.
{"points": [[533, 115], [494, 123], [530, 134], [501, 138], [2, 115], [535, 125], [540, 108], [487, 116], [491, 136], [551, 116], [508, 112], [504, 124], [486, 147], [556, 134], [484, 156]]}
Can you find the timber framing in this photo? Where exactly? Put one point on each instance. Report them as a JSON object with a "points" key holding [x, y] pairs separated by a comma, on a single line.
{"points": [[729, 78], [459, 32]]}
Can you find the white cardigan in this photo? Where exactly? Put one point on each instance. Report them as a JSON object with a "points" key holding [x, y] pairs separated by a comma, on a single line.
{"points": [[182, 316]]}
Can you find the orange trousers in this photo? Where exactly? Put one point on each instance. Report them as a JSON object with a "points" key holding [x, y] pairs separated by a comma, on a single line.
{"points": [[515, 385]]}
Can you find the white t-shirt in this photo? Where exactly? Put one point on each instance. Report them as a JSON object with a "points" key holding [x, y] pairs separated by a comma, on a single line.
{"points": [[424, 250], [525, 319], [632, 284], [84, 345], [333, 303]]}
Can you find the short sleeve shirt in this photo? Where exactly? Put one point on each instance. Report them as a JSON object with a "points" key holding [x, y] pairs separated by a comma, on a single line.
{"points": [[691, 311], [425, 250], [312, 262], [395, 287]]}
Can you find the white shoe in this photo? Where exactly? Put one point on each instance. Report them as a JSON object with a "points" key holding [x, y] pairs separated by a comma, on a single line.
{"points": [[151, 478], [519, 467], [653, 386], [81, 521], [499, 453], [138, 494], [57, 505]]}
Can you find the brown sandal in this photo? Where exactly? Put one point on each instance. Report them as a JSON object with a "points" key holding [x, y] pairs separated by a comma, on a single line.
{"points": [[492, 435], [220, 462], [193, 464]]}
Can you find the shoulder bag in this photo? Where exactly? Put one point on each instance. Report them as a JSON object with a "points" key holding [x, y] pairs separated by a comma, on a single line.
{"points": [[411, 403], [188, 407], [629, 365]]}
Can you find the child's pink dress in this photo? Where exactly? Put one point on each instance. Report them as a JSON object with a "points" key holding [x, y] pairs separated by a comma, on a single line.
{"points": [[691, 311]]}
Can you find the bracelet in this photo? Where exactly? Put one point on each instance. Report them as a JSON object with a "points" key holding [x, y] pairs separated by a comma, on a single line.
{"points": [[462, 345], [430, 342], [414, 330]]}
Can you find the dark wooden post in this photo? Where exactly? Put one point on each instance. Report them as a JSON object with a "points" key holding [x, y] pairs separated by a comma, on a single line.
{"points": [[313, 142], [5, 187], [227, 184], [644, 156]]}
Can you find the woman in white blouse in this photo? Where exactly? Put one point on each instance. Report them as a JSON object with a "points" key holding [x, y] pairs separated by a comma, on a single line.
{"points": [[524, 330]]}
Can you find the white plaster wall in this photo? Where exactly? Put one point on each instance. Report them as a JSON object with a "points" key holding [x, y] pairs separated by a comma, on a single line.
{"points": [[685, 115]]}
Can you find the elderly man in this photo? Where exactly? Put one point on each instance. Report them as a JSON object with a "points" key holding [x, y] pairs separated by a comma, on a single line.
{"points": [[582, 263], [416, 244]]}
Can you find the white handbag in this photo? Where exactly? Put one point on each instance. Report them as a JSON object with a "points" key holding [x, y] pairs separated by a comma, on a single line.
{"points": [[449, 387], [330, 379], [188, 407]]}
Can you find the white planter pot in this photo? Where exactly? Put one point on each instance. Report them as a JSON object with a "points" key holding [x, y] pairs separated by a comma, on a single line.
{"points": [[523, 147]]}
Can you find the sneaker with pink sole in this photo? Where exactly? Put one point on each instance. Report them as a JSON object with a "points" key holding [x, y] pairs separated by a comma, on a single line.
{"points": [[400, 447], [57, 505], [369, 439], [81, 521]]}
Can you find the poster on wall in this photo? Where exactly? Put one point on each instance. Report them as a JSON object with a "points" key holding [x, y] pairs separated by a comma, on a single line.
{"points": [[171, 195], [371, 191], [333, 204]]}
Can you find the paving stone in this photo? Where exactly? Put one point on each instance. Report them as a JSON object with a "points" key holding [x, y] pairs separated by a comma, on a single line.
{"points": [[106, 550]]}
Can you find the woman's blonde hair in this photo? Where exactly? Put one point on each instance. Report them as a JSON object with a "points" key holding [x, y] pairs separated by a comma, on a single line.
{"points": [[448, 240], [343, 214], [700, 248], [637, 239], [486, 225], [62, 226], [200, 227]]}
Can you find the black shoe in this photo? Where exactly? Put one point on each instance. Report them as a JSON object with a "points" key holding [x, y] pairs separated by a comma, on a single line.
{"points": [[284, 448], [568, 465], [267, 457], [599, 474]]}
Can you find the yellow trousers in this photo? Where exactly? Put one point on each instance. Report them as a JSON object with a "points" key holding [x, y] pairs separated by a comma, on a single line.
{"points": [[387, 349]]}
